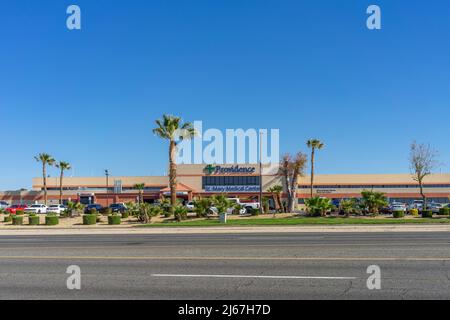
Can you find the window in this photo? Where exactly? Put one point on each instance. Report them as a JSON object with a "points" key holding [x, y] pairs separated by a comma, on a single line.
{"points": [[231, 181]]}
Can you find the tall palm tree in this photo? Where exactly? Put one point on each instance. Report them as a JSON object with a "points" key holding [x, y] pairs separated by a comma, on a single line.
{"points": [[313, 144], [62, 166], [140, 187], [45, 159], [173, 129]]}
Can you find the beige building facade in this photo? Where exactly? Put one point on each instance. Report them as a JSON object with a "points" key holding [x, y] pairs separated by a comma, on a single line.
{"points": [[241, 181]]}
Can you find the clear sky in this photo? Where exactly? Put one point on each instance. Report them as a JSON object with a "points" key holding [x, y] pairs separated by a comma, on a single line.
{"points": [[308, 67]]}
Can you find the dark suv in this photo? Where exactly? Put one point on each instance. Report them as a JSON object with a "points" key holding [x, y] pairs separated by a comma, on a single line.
{"points": [[118, 207], [88, 208]]}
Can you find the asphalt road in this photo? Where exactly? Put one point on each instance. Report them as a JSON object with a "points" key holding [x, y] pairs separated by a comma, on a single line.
{"points": [[227, 266]]}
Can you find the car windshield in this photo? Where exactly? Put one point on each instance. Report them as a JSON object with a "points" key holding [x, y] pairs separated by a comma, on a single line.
{"points": [[36, 206], [54, 206]]}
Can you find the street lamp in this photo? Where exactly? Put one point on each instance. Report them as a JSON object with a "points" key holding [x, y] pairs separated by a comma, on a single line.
{"points": [[107, 186]]}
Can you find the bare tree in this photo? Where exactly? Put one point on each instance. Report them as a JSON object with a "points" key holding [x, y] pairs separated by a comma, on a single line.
{"points": [[422, 159], [291, 168]]}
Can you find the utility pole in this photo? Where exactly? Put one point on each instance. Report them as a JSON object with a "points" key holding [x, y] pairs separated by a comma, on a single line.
{"points": [[260, 174], [107, 187]]}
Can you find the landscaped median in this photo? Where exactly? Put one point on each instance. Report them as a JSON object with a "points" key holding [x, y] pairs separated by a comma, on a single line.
{"points": [[295, 221]]}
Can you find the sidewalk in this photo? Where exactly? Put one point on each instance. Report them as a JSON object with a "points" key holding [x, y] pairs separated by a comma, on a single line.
{"points": [[22, 231]]}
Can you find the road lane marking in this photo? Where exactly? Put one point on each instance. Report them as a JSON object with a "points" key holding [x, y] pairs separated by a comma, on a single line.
{"points": [[249, 276], [229, 246], [223, 258]]}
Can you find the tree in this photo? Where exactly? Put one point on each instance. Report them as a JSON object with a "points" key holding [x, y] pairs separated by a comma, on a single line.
{"points": [[62, 166], [140, 187], [221, 202], [313, 144], [276, 195], [372, 201], [422, 161], [45, 159], [74, 208], [291, 168], [172, 128], [348, 206], [202, 206], [318, 206]]}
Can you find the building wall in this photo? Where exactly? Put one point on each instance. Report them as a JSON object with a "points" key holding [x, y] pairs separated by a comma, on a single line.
{"points": [[328, 185]]}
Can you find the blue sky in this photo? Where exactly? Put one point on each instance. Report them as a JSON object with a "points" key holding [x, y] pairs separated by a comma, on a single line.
{"points": [[310, 68]]}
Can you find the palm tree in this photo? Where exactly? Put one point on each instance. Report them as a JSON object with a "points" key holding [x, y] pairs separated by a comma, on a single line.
{"points": [[318, 206], [45, 159], [173, 129], [313, 144], [373, 201], [62, 166], [140, 187], [276, 195]]}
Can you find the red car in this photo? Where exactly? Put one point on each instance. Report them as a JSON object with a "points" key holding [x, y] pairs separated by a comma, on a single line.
{"points": [[12, 209]]}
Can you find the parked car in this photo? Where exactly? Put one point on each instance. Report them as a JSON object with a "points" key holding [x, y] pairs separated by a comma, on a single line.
{"points": [[434, 207], [118, 207], [4, 205], [397, 206], [245, 207], [36, 208], [12, 209], [416, 204], [190, 206], [56, 208], [88, 208]]}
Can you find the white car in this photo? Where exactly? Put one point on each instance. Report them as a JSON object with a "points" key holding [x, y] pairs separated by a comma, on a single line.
{"points": [[190, 206], [435, 207], [4, 205], [417, 204], [36, 208], [397, 206], [56, 208]]}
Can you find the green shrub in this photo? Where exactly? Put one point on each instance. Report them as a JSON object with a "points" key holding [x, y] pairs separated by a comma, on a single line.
{"points": [[427, 214], [19, 212], [125, 214], [51, 220], [444, 211], [7, 218], [17, 220], [93, 211], [89, 219], [256, 212], [33, 220], [114, 219], [414, 212], [398, 214]]}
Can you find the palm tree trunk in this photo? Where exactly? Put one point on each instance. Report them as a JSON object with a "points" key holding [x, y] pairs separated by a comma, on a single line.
{"points": [[44, 176], [61, 186], [312, 171], [172, 176]]}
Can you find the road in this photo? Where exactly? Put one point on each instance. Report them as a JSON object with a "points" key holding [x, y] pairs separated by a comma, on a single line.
{"points": [[227, 266]]}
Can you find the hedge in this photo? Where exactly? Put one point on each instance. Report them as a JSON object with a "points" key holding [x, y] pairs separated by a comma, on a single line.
{"points": [[89, 219], [51, 220], [444, 211], [17, 220], [114, 219], [19, 212], [398, 214], [427, 214], [125, 214], [33, 220], [7, 218]]}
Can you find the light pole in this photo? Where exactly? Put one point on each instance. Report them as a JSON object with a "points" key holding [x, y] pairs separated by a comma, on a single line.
{"points": [[260, 174], [107, 186]]}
